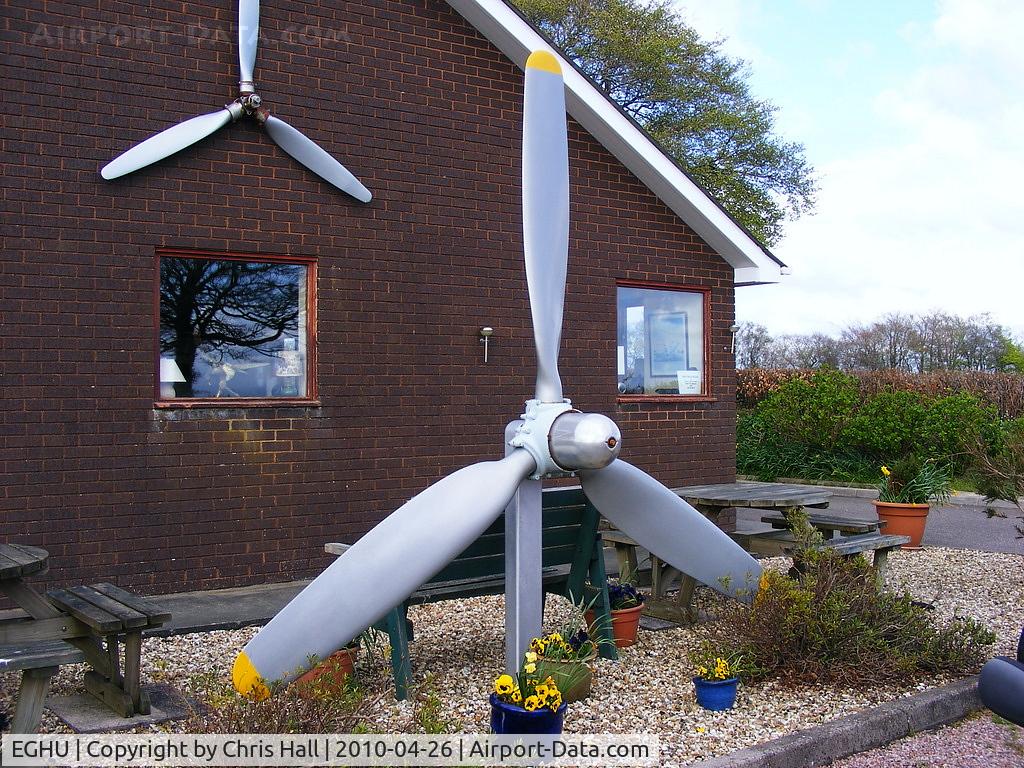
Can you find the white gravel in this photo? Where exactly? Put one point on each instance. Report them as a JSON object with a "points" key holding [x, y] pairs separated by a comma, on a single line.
{"points": [[460, 646]]}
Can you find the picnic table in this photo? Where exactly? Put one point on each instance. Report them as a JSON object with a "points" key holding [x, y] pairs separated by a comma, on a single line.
{"points": [[70, 626], [831, 526], [710, 501], [846, 536]]}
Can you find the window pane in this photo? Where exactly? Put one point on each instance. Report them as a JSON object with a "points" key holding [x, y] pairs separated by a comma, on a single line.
{"points": [[660, 342], [232, 328]]}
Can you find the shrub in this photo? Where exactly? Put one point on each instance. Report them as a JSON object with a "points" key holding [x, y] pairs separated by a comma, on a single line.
{"points": [[1003, 391], [811, 412], [835, 624], [887, 425], [952, 425], [759, 452], [223, 710]]}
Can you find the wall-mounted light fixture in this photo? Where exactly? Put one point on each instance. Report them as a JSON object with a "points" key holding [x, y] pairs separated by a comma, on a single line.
{"points": [[485, 336], [733, 329]]}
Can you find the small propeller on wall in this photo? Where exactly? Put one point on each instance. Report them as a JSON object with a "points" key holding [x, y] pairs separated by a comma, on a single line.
{"points": [[552, 439], [248, 103]]}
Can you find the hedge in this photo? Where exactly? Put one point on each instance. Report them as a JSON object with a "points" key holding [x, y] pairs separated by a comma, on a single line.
{"points": [[830, 425], [1005, 391]]}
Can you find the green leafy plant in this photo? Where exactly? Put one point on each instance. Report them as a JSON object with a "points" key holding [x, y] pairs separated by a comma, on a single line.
{"points": [[429, 709], [912, 482], [999, 469], [834, 623]]}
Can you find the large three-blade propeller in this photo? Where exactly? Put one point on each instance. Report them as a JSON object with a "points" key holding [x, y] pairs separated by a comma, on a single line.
{"points": [[187, 133], [421, 537]]}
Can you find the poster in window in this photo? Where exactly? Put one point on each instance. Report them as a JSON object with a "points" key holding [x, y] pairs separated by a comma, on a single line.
{"points": [[668, 343]]}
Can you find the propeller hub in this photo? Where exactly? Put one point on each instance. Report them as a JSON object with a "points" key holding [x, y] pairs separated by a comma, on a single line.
{"points": [[584, 441], [251, 102], [562, 440]]}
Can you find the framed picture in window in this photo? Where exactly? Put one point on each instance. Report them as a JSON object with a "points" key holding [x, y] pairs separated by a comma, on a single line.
{"points": [[668, 343]]}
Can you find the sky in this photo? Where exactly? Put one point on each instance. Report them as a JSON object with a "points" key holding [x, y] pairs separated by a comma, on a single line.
{"points": [[912, 113]]}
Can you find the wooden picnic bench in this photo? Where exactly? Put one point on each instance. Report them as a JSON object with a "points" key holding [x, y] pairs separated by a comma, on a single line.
{"points": [[573, 566], [845, 536], [711, 501], [70, 626]]}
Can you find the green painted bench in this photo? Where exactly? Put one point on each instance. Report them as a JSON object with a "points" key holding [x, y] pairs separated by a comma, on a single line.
{"points": [[573, 559]]}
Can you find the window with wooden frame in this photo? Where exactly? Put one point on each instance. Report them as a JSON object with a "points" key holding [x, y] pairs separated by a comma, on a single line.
{"points": [[235, 327], [662, 341]]}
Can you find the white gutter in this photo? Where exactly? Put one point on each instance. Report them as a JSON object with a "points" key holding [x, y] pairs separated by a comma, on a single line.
{"points": [[517, 39]]}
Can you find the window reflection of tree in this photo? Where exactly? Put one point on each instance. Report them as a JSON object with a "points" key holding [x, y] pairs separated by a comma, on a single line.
{"points": [[226, 312]]}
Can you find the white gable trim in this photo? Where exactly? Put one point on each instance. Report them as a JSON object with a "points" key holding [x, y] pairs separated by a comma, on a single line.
{"points": [[517, 39]]}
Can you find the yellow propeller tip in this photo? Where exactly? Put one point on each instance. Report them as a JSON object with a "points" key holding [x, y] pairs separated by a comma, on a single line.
{"points": [[247, 680], [544, 60]]}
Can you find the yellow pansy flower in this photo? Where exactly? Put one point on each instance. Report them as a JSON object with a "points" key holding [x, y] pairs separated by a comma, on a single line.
{"points": [[517, 697], [531, 657], [504, 685], [529, 668], [531, 703]]}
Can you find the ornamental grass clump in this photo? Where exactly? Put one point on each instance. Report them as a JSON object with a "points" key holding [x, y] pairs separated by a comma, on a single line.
{"points": [[912, 481], [834, 624]]}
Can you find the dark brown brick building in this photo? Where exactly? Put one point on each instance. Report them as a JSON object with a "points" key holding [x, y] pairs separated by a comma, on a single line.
{"points": [[419, 100]]}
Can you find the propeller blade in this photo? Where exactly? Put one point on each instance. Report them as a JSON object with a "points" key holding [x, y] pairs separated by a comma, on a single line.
{"points": [[663, 523], [316, 159], [382, 569], [248, 37], [166, 143], [546, 213]]}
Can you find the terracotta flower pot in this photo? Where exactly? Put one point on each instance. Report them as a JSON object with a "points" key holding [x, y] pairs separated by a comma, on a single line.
{"points": [[904, 520], [574, 678], [328, 676], [625, 624]]}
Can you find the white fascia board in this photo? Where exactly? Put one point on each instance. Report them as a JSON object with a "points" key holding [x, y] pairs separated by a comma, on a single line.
{"points": [[517, 39]]}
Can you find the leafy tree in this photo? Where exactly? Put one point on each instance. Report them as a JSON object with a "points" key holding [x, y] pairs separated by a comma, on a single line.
{"points": [[690, 97], [753, 346]]}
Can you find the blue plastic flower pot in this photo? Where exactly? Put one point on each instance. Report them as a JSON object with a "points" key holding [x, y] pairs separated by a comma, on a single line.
{"points": [[716, 695], [510, 718]]}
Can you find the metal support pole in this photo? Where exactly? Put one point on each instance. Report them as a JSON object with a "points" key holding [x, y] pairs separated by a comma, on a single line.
{"points": [[524, 595]]}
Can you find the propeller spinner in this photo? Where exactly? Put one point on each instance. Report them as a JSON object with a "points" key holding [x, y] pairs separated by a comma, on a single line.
{"points": [[249, 103], [551, 439]]}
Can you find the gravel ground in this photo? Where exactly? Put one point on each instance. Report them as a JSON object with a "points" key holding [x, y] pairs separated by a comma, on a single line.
{"points": [[460, 646]]}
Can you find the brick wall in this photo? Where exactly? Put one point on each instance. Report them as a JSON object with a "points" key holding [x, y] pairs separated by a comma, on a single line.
{"points": [[427, 113]]}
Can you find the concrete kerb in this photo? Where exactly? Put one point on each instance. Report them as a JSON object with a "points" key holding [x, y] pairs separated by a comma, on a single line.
{"points": [[860, 731]]}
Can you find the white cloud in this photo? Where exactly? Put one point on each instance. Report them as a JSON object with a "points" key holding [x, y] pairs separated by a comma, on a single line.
{"points": [[929, 216]]}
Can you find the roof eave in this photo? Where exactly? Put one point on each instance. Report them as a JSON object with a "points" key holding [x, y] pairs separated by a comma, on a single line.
{"points": [[516, 38]]}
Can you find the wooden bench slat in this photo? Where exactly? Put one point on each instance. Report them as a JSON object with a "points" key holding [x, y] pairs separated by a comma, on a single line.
{"points": [[851, 545], [16, 554], [128, 616], [38, 655], [155, 612], [9, 569], [97, 618]]}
